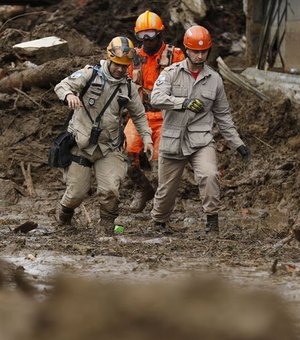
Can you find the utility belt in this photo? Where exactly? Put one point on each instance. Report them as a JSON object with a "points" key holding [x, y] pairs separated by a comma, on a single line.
{"points": [[82, 161], [149, 107]]}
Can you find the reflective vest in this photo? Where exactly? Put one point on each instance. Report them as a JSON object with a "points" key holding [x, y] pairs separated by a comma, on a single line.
{"points": [[146, 68]]}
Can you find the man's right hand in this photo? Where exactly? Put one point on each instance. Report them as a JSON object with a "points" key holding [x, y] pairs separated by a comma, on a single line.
{"points": [[244, 151], [194, 105], [73, 101]]}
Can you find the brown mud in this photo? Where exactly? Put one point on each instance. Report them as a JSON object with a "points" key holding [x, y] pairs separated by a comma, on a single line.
{"points": [[261, 198]]}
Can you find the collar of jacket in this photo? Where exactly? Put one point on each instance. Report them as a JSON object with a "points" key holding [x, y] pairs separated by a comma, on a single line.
{"points": [[109, 77], [142, 53]]}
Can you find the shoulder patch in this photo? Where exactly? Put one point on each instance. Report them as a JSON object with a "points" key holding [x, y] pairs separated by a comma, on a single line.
{"points": [[160, 79], [76, 74], [86, 67], [172, 67]]}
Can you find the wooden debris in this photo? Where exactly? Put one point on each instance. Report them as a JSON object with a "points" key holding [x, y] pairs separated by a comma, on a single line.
{"points": [[26, 227], [27, 96], [9, 11], [42, 76], [274, 266], [19, 16], [28, 179], [88, 218], [238, 80], [282, 242], [260, 140]]}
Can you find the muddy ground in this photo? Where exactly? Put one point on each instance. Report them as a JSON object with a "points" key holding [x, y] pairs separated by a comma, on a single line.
{"points": [[261, 198]]}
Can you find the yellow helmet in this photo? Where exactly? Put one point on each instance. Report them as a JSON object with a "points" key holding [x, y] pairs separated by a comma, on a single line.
{"points": [[121, 51]]}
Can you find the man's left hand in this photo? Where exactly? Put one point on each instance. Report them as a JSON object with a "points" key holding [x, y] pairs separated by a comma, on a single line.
{"points": [[148, 149]]}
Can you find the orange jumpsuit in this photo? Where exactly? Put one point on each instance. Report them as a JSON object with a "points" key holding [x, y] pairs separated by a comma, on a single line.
{"points": [[150, 70]]}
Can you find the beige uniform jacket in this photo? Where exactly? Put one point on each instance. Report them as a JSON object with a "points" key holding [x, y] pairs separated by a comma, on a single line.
{"points": [[95, 99], [183, 131]]}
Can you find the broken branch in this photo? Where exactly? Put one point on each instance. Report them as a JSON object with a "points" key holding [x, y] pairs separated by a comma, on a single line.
{"points": [[238, 80], [28, 179], [260, 140], [27, 96], [89, 221]]}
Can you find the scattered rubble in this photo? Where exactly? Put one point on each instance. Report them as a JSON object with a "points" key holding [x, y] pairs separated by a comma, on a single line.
{"points": [[259, 197], [42, 50]]}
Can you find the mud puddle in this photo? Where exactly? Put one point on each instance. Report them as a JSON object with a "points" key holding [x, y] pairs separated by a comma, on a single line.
{"points": [[243, 253], [41, 268]]}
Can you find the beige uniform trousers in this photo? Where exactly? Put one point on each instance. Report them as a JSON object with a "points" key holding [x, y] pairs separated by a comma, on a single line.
{"points": [[204, 164], [110, 172]]}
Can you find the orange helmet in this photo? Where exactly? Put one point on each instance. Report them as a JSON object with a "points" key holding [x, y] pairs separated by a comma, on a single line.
{"points": [[121, 51], [197, 38], [148, 21]]}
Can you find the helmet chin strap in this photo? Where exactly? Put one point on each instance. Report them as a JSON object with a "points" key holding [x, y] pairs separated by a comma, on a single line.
{"points": [[109, 64], [200, 63]]}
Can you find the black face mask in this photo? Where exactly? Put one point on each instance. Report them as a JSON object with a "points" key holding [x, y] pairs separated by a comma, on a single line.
{"points": [[154, 49]]}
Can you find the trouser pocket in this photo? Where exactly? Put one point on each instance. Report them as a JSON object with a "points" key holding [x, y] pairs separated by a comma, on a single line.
{"points": [[170, 141]]}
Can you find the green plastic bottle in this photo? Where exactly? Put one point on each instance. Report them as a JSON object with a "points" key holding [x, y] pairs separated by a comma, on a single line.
{"points": [[119, 229]]}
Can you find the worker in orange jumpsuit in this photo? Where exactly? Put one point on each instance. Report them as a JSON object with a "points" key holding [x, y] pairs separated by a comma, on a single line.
{"points": [[151, 58]]}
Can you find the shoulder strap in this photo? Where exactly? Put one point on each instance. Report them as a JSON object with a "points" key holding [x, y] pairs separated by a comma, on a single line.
{"points": [[83, 91], [166, 56], [129, 87], [97, 120], [88, 84], [137, 74]]}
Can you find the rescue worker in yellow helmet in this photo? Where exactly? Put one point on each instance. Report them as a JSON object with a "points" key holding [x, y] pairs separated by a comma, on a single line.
{"points": [[151, 58], [97, 128]]}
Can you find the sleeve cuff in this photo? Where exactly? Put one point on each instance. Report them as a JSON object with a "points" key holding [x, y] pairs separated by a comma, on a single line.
{"points": [[65, 97], [147, 140], [178, 103]]}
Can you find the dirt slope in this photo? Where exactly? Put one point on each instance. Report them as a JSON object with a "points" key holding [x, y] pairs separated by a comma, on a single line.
{"points": [[263, 194], [261, 199]]}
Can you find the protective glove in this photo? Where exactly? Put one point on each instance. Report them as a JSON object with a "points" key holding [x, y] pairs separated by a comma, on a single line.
{"points": [[194, 105], [244, 152]]}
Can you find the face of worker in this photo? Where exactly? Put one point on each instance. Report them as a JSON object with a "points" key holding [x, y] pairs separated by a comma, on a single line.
{"points": [[118, 71], [197, 57], [151, 44]]}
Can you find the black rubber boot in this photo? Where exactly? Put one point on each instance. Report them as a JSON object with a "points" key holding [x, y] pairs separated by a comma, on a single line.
{"points": [[161, 228], [107, 224], [65, 215], [212, 223], [144, 190]]}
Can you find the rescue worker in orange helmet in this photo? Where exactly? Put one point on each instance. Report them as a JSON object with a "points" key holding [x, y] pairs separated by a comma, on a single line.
{"points": [[193, 97], [151, 58]]}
